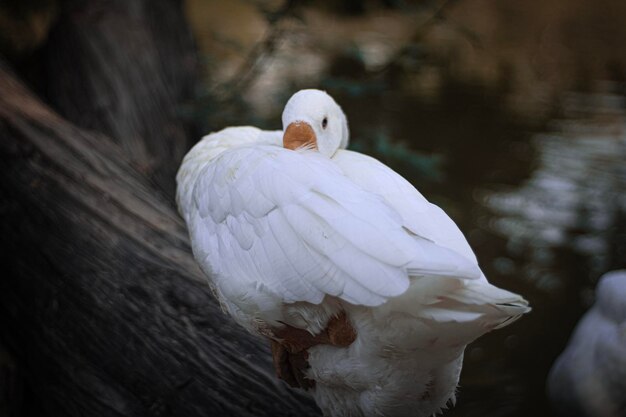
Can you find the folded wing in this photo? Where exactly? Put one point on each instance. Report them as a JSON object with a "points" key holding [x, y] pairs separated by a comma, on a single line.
{"points": [[420, 216], [271, 222]]}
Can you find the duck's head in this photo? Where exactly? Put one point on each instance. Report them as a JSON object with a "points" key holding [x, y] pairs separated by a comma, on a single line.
{"points": [[312, 119]]}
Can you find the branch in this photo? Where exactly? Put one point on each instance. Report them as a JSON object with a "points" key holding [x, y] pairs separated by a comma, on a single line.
{"points": [[259, 55], [436, 16]]}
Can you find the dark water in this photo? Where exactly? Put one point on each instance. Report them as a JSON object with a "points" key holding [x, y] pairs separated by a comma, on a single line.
{"points": [[540, 195], [541, 202]]}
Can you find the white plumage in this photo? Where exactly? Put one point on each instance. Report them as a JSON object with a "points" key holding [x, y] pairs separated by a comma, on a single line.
{"points": [[292, 230], [589, 378]]}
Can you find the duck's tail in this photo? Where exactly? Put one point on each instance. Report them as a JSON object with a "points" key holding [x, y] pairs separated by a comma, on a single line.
{"points": [[461, 309], [499, 307]]}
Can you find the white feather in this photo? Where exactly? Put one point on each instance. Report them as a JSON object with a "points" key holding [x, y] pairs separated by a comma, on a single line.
{"points": [[313, 220], [297, 236]]}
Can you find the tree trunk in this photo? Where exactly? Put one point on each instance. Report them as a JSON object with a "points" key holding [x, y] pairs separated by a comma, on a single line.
{"points": [[100, 299], [10, 385], [125, 69], [101, 303]]}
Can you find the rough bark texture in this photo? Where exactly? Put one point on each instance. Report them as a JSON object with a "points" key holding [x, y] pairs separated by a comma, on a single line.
{"points": [[100, 299], [101, 303], [125, 69], [10, 385]]}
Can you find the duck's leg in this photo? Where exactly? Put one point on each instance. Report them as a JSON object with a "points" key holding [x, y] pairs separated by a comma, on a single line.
{"points": [[290, 345], [290, 367]]}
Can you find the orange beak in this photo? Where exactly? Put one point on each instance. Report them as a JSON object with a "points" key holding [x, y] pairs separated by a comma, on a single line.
{"points": [[299, 134]]}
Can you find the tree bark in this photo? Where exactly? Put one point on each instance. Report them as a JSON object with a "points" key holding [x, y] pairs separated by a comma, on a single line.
{"points": [[100, 299], [10, 385], [125, 69]]}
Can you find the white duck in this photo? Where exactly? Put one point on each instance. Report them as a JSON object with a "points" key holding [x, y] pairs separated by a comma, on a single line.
{"points": [[589, 378], [340, 261]]}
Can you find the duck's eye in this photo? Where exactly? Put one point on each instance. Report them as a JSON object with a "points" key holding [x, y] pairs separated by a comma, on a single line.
{"points": [[325, 122]]}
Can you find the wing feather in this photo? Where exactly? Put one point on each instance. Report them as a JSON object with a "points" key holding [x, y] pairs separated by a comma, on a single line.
{"points": [[420, 216], [292, 225]]}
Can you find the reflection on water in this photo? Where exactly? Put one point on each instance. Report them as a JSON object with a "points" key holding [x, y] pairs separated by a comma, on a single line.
{"points": [[544, 211], [542, 202], [550, 237], [575, 199]]}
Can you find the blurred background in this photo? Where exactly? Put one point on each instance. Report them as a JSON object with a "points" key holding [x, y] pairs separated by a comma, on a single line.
{"points": [[510, 115]]}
